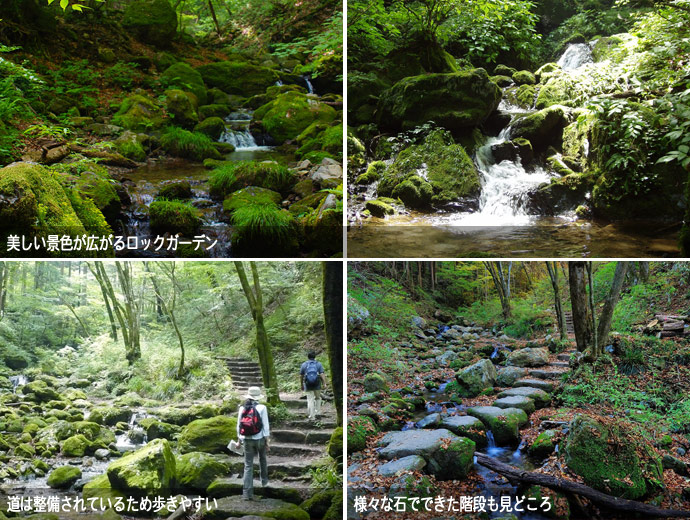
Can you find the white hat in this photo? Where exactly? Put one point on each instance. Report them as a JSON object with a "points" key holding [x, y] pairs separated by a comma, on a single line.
{"points": [[254, 393]]}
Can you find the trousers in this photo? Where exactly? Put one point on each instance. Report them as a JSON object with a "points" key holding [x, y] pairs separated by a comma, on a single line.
{"points": [[254, 447], [313, 403]]}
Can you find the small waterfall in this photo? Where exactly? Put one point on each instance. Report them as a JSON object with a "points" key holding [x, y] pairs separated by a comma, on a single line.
{"points": [[495, 352], [279, 83], [240, 140], [310, 87], [490, 439], [575, 56], [18, 381]]}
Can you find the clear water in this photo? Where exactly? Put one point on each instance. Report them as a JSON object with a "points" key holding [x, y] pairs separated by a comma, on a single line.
{"points": [[575, 56]]}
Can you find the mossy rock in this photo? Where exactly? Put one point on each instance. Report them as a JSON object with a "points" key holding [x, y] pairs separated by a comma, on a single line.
{"points": [[75, 446], [608, 459], [38, 391], [378, 208], [167, 216], [524, 77], [184, 77], [374, 173], [308, 203], [234, 176], [25, 450], [455, 101], [335, 444], [375, 383], [213, 110], [180, 108], [139, 113], [212, 127], [177, 190], [149, 471], [235, 507], [318, 504], [236, 77], [544, 444], [197, 470], [63, 477], [129, 144], [288, 115], [100, 488], [454, 460], [542, 128], [335, 512], [264, 229], [156, 429], [190, 145], [359, 429], [152, 21], [504, 70], [97, 185], [505, 423], [451, 173], [502, 81], [558, 89], [329, 140], [208, 435], [251, 195]]}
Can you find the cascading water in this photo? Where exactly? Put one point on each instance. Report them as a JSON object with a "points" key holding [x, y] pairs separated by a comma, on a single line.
{"points": [[18, 381], [310, 87], [238, 134], [575, 56]]}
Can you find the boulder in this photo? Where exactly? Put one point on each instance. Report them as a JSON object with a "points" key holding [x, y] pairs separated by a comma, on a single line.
{"points": [[541, 399], [359, 429], [447, 455], [430, 421], [504, 423], [175, 190], [239, 78], [197, 470], [317, 506], [139, 113], [335, 444], [151, 21], [375, 383], [611, 460], [543, 128], [168, 216], [149, 471], [129, 144], [409, 463], [477, 377], [516, 401], [182, 76], [507, 376], [456, 101], [181, 109], [208, 435], [212, 127], [235, 507], [63, 477], [39, 391], [466, 426], [544, 444], [529, 357], [289, 114], [75, 446]]}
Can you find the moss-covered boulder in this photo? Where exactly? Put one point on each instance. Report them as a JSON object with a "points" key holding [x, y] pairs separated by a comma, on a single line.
{"points": [[39, 392], [329, 140], [25, 450], [373, 173], [176, 190], [149, 471], [180, 108], [152, 21], [611, 460], [559, 88], [197, 470], [235, 507], [529, 357], [467, 426], [359, 429], [288, 115], [543, 128], [237, 77], [335, 444], [379, 208], [455, 101], [156, 429], [208, 435], [184, 77], [252, 195], [475, 378], [190, 145], [213, 110], [375, 383], [75, 446], [234, 176], [100, 488], [505, 423], [212, 127], [450, 173], [318, 504], [524, 77], [173, 216], [544, 444], [63, 477], [139, 113], [130, 145]]}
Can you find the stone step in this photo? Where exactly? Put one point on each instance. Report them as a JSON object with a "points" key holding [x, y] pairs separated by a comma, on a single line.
{"points": [[563, 357], [542, 384], [560, 364], [316, 436], [249, 380], [326, 422], [249, 371], [546, 374], [281, 449], [290, 491], [278, 467]]}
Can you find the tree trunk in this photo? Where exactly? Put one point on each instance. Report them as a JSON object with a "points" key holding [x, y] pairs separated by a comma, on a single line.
{"points": [[131, 310], [255, 301], [332, 284], [593, 312], [213, 14], [502, 286], [610, 303], [560, 315], [582, 322]]}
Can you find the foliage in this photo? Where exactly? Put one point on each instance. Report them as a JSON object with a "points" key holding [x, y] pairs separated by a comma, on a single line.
{"points": [[74, 5], [183, 143], [123, 75], [263, 222]]}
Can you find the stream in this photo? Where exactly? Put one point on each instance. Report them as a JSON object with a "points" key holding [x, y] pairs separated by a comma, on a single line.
{"points": [[144, 183], [505, 224]]}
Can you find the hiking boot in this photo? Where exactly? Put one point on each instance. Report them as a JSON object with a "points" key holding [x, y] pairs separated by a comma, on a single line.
{"points": [[264, 483]]}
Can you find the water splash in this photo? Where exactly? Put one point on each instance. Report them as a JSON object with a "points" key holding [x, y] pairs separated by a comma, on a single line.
{"points": [[241, 140], [18, 381], [310, 87], [575, 56]]}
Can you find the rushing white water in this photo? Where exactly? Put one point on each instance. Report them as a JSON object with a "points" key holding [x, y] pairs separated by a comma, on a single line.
{"points": [[17, 381], [310, 87], [238, 133], [575, 56]]}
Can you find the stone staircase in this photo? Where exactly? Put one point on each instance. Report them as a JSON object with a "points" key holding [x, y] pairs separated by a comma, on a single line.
{"points": [[296, 444], [569, 327], [244, 373]]}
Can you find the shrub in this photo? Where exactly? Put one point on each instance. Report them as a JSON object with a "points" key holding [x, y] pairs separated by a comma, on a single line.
{"points": [[191, 145]]}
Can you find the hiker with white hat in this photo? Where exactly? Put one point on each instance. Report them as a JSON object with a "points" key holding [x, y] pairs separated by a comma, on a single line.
{"points": [[253, 431]]}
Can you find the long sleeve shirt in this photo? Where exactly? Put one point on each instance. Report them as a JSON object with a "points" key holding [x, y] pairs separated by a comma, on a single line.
{"points": [[266, 429]]}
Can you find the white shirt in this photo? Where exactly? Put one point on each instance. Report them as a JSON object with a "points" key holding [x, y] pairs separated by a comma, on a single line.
{"points": [[263, 413]]}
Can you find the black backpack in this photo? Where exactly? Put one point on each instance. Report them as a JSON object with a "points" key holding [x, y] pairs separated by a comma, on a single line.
{"points": [[250, 422], [311, 376]]}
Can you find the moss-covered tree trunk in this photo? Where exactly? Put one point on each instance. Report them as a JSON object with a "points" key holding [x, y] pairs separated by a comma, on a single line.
{"points": [[582, 322], [333, 320]]}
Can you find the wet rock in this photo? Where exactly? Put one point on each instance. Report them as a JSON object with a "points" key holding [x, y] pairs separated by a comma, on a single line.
{"points": [[102, 453], [63, 477], [505, 423], [467, 426], [430, 421], [149, 471], [541, 399], [477, 377]]}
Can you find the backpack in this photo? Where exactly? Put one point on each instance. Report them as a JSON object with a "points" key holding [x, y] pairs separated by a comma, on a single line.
{"points": [[250, 422], [311, 376]]}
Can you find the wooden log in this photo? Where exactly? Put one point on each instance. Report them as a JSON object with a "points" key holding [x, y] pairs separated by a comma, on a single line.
{"points": [[672, 317], [674, 325], [568, 486], [669, 334]]}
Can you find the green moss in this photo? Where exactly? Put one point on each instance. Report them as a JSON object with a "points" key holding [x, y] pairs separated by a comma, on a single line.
{"points": [[197, 470], [329, 140], [63, 477], [374, 172], [180, 108], [359, 429], [542, 128], [149, 471], [606, 48], [152, 21], [177, 190], [524, 77], [251, 195], [233, 176], [522, 96], [174, 217], [504, 70], [138, 113], [287, 116], [75, 446], [129, 144], [212, 127], [451, 173], [378, 208], [100, 488], [455, 460], [559, 89], [191, 145], [210, 435], [318, 505], [544, 444], [214, 110], [335, 444], [234, 77], [184, 77], [264, 228], [308, 203], [609, 460]]}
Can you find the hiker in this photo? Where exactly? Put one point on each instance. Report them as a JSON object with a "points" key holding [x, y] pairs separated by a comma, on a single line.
{"points": [[312, 380], [253, 431]]}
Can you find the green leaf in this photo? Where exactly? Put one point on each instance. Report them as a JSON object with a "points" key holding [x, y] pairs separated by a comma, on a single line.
{"points": [[76, 7], [64, 4]]}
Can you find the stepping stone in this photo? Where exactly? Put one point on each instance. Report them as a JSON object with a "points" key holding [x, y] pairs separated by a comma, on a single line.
{"points": [[297, 450], [467, 426], [412, 442], [293, 492], [235, 507], [541, 399], [547, 374], [504, 423], [541, 384], [561, 364], [430, 421], [409, 463], [516, 401]]}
